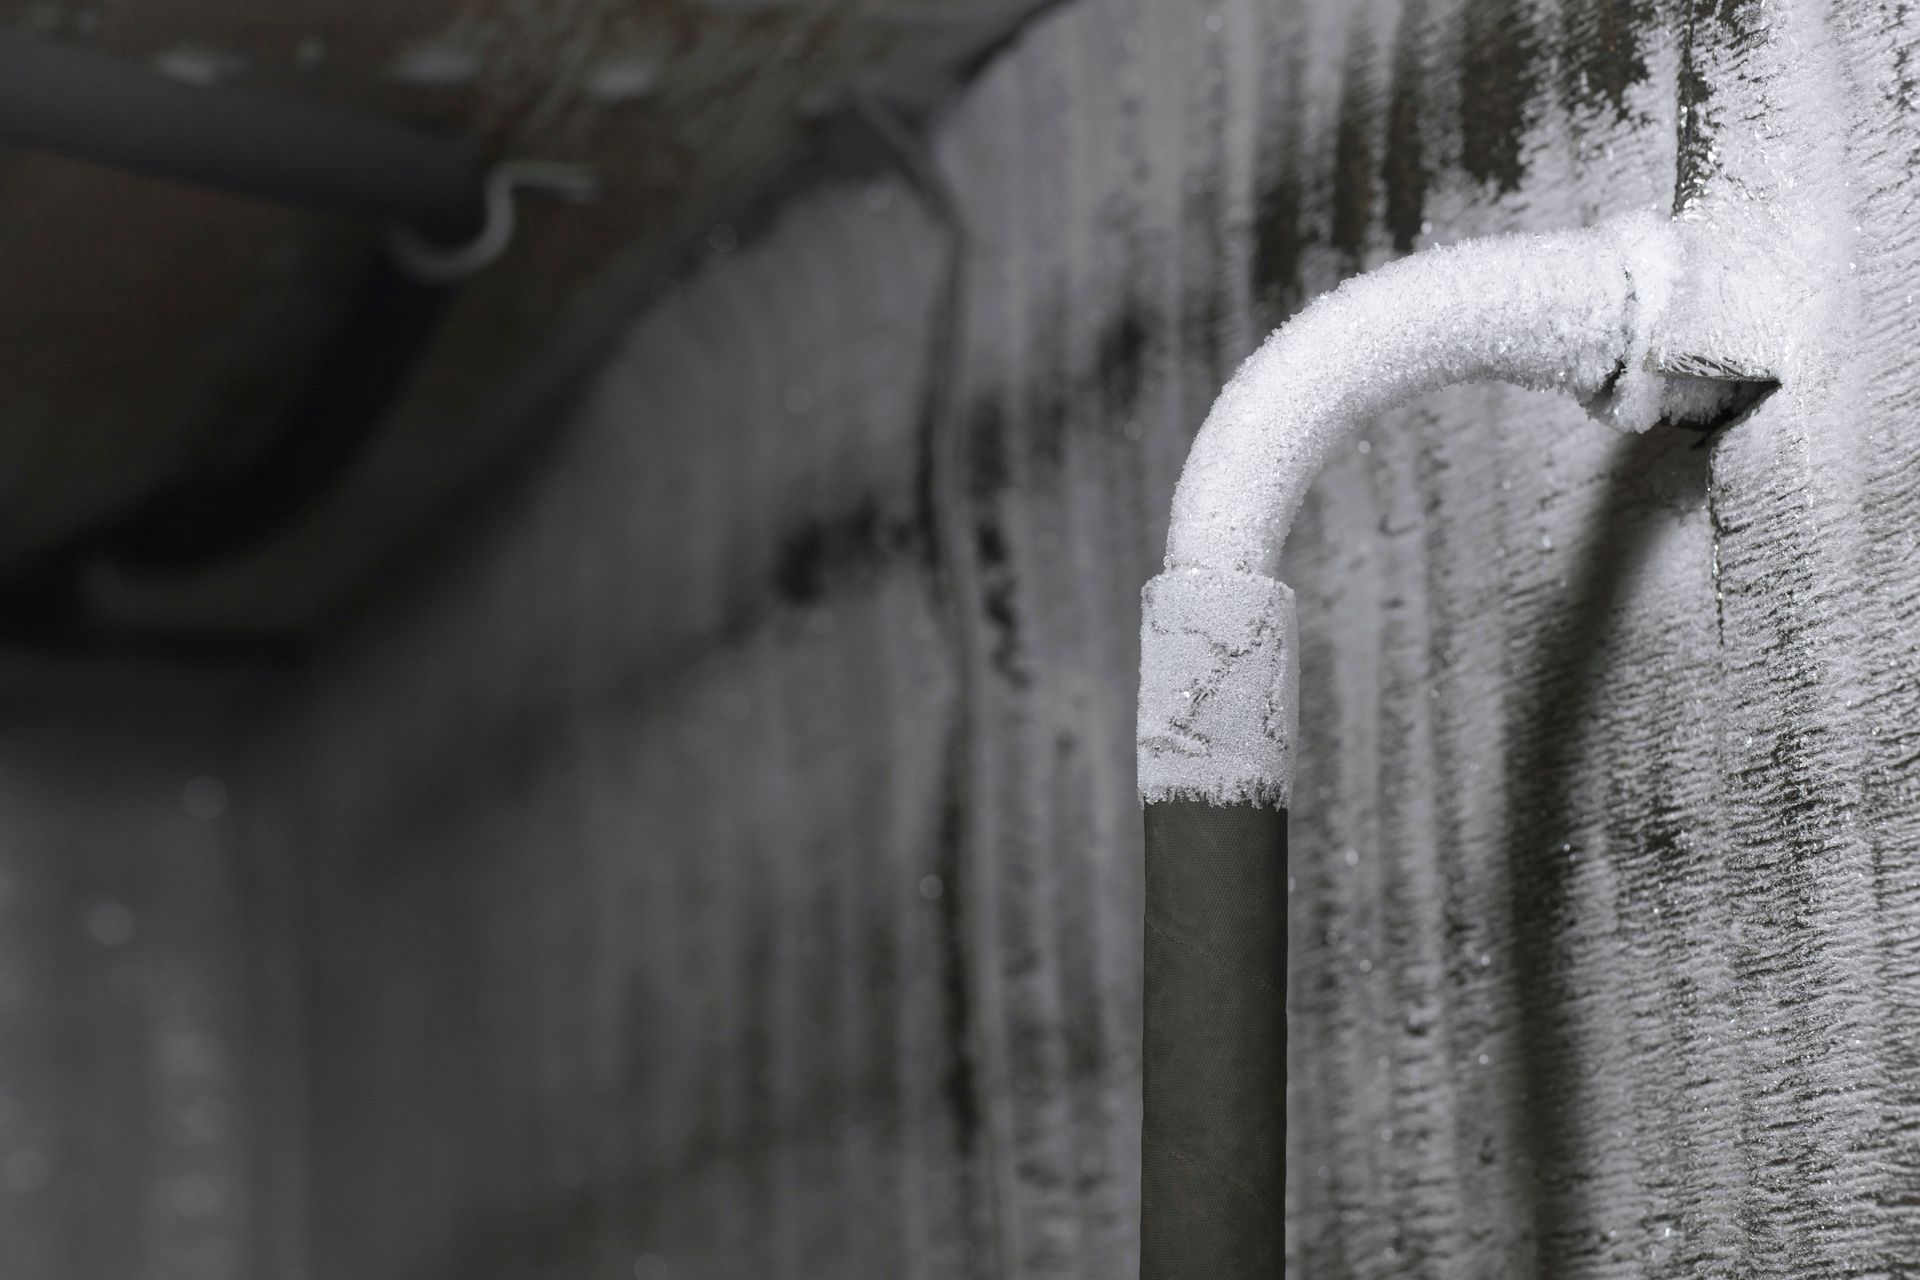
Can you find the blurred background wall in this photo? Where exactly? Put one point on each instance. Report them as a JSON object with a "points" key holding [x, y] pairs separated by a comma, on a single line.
{"points": [[146, 1041], [719, 858]]}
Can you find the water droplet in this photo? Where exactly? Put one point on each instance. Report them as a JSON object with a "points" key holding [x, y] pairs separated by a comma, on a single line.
{"points": [[931, 887], [110, 923], [27, 1171], [195, 1197], [205, 798], [205, 1120]]}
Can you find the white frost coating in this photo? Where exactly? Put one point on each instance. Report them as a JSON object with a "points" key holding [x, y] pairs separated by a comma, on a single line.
{"points": [[1553, 312], [1571, 311], [1218, 688]]}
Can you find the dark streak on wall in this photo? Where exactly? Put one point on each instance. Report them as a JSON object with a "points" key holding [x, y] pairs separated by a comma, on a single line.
{"points": [[1691, 165], [989, 470], [989, 473], [1498, 78], [1712, 29], [1404, 168], [1602, 51], [812, 558], [1278, 235], [960, 1079], [1120, 364], [1559, 703], [999, 587], [1083, 1038], [1353, 172], [1203, 317], [1048, 393]]}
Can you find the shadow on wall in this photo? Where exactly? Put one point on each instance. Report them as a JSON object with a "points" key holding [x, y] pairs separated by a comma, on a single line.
{"points": [[1648, 478]]}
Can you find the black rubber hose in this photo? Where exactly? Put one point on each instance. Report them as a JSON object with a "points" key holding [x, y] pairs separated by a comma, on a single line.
{"points": [[79, 102], [1213, 1147]]}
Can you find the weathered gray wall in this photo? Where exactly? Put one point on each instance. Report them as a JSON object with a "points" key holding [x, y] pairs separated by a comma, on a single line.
{"points": [[728, 866], [145, 1031]]}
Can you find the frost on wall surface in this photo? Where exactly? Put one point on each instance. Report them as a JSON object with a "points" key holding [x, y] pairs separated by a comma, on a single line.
{"points": [[730, 866]]}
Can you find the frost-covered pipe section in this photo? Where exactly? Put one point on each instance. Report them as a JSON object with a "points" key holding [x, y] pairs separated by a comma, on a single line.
{"points": [[1570, 311]]}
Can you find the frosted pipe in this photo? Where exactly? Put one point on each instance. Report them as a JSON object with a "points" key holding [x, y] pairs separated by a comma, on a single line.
{"points": [[1570, 311]]}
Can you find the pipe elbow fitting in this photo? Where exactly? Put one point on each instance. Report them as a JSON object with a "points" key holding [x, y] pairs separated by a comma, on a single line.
{"points": [[1575, 311]]}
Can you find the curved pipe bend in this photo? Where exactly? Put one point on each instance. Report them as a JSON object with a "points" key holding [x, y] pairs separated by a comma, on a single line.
{"points": [[1565, 311], [1573, 311]]}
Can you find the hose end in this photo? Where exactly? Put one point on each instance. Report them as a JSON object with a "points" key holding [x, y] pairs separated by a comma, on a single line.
{"points": [[1219, 680]]}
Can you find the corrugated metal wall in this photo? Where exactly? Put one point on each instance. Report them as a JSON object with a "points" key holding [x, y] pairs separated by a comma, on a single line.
{"points": [[728, 868]]}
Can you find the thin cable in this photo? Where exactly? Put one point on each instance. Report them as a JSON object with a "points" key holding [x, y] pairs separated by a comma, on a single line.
{"points": [[430, 262]]}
